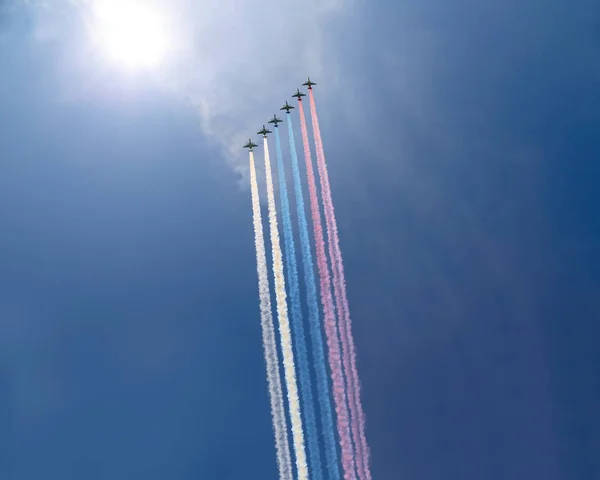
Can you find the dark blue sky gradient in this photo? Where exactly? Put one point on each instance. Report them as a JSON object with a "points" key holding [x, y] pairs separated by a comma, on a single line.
{"points": [[467, 203]]}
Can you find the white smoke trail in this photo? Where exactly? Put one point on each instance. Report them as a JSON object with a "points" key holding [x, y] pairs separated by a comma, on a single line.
{"points": [[289, 366], [282, 446]]}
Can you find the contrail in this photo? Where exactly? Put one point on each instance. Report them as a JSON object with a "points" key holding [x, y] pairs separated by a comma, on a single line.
{"points": [[314, 456], [313, 317], [282, 446], [356, 409], [334, 353], [289, 366]]}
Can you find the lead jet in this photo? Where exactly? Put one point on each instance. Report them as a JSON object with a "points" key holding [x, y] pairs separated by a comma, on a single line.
{"points": [[309, 84], [250, 145], [299, 95], [286, 107], [275, 120], [264, 132]]}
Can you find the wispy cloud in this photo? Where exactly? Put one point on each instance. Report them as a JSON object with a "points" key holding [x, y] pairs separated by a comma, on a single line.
{"points": [[235, 61]]}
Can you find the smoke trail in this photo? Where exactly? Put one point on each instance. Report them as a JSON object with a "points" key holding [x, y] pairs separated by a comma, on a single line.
{"points": [[339, 283], [313, 317], [284, 463], [289, 366], [314, 456], [334, 353]]}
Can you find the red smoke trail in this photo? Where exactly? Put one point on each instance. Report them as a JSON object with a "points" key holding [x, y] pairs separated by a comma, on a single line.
{"points": [[339, 284], [334, 354]]}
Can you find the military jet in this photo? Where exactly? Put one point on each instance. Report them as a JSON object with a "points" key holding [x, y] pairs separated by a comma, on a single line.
{"points": [[286, 107], [309, 84], [264, 132], [299, 95], [250, 145], [275, 120]]}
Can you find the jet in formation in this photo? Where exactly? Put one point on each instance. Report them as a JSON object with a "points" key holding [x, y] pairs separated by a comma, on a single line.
{"points": [[309, 84], [250, 145], [263, 132], [286, 107], [299, 94], [275, 120]]}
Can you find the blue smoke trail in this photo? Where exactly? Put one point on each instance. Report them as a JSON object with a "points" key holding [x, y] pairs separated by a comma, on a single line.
{"points": [[296, 316], [313, 318]]}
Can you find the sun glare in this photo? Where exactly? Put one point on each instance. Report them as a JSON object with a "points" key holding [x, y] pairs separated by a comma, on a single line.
{"points": [[131, 32]]}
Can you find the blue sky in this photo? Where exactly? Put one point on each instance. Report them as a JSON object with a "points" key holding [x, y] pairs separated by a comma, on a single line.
{"points": [[467, 205]]}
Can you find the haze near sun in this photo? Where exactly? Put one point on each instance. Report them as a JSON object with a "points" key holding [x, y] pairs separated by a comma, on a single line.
{"points": [[131, 32]]}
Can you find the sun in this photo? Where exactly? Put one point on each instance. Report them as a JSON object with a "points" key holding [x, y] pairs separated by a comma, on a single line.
{"points": [[132, 32]]}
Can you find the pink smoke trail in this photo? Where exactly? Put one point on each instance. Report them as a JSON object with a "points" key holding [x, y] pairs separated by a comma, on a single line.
{"points": [[339, 283], [331, 331]]}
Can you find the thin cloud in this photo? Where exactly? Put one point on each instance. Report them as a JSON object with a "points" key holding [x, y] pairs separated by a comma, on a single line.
{"points": [[236, 62]]}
